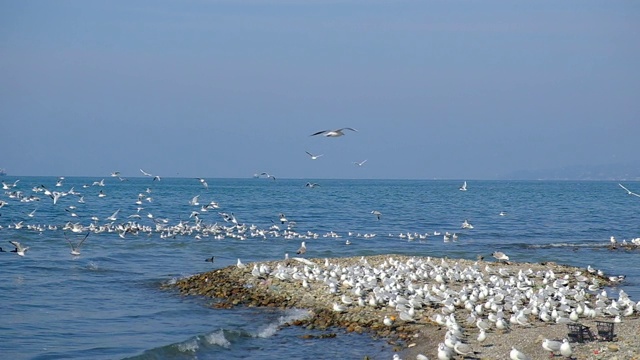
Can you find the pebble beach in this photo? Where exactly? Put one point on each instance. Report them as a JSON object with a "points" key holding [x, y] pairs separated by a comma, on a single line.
{"points": [[417, 303]]}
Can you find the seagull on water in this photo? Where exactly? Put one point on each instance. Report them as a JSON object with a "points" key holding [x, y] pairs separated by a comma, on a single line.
{"points": [[20, 250], [283, 218], [313, 157], [75, 249], [333, 133], [629, 191]]}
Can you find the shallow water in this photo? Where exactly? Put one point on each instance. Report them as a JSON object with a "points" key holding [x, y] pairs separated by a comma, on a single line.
{"points": [[108, 302]]}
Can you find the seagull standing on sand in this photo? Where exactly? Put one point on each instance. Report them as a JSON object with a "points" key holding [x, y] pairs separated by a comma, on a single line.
{"points": [[516, 354], [499, 255], [551, 346], [333, 133], [565, 348]]}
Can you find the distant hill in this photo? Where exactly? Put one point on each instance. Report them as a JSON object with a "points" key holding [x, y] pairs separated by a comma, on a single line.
{"points": [[625, 171]]}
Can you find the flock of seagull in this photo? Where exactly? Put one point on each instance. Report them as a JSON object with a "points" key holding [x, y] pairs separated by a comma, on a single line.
{"points": [[312, 156], [470, 300], [492, 298]]}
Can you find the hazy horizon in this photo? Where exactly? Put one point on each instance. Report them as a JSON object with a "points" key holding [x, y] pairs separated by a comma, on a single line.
{"points": [[224, 89]]}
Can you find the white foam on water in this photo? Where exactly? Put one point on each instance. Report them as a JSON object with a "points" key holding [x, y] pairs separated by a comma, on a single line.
{"points": [[289, 316], [217, 338], [188, 346]]}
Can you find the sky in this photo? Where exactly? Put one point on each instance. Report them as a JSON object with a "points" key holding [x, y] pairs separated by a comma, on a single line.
{"points": [[226, 89]]}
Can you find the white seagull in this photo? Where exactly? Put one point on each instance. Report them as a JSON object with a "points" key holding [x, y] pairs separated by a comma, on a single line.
{"points": [[145, 173], [565, 348], [113, 217], [499, 255], [20, 250], [203, 182], [360, 163], [313, 157], [302, 249], [377, 213], [464, 186], [551, 346], [333, 133], [516, 354], [629, 191], [75, 249]]}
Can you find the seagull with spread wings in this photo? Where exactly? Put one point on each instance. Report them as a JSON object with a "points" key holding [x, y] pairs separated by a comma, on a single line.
{"points": [[629, 191], [75, 249], [313, 157], [333, 133]]}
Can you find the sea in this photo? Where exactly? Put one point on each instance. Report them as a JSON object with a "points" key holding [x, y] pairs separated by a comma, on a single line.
{"points": [[112, 300]]}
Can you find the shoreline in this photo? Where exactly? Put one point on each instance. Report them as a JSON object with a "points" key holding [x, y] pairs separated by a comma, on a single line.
{"points": [[334, 297]]}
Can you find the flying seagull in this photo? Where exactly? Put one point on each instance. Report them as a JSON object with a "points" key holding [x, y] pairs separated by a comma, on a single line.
{"points": [[20, 250], [313, 157], [360, 163], [267, 175], [333, 133], [145, 173], [377, 213], [75, 249], [629, 191], [203, 182], [463, 187]]}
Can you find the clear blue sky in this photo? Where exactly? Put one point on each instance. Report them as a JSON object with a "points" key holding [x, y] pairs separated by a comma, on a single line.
{"points": [[437, 89]]}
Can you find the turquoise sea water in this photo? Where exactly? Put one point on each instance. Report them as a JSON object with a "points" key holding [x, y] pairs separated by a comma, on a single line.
{"points": [[108, 302]]}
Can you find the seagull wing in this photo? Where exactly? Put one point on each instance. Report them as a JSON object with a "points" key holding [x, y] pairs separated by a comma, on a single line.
{"points": [[85, 238], [629, 191], [348, 128], [319, 132]]}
